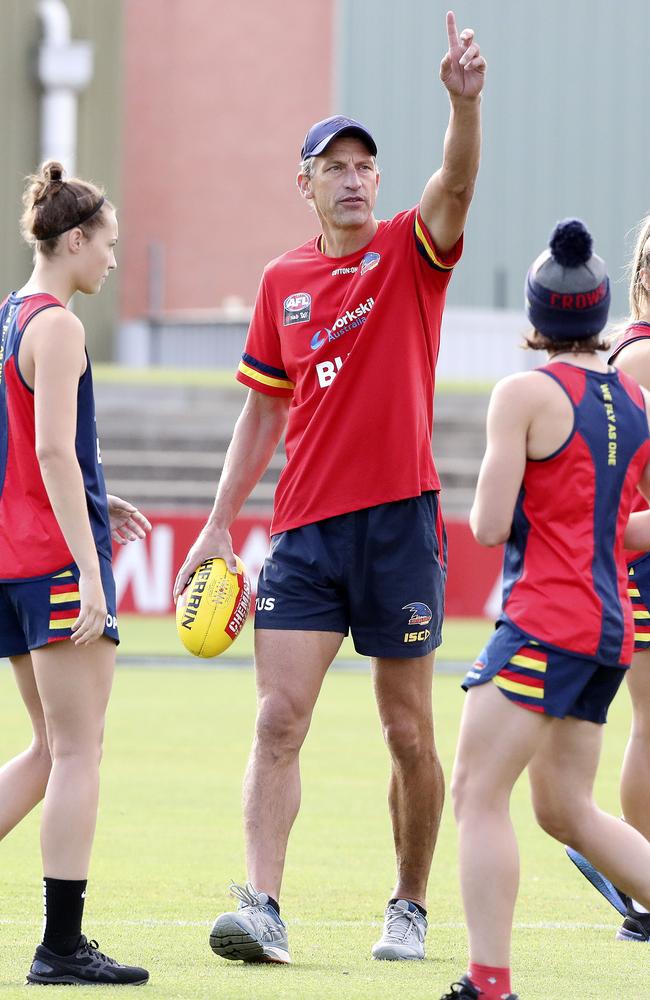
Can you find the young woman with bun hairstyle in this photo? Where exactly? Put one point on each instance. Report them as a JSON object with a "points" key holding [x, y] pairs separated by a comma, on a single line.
{"points": [[58, 621], [631, 354], [568, 445]]}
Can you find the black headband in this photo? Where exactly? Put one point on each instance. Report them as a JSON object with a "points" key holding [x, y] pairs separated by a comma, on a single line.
{"points": [[83, 217]]}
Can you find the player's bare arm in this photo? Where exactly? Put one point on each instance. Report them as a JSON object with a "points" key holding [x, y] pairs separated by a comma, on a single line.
{"points": [[256, 436], [637, 532], [529, 417], [504, 462], [447, 195], [55, 348]]}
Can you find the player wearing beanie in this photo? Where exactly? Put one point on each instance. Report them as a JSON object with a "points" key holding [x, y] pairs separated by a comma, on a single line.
{"points": [[567, 447]]}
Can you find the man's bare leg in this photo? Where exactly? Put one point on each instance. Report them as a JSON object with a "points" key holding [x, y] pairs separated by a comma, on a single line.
{"points": [[417, 788], [290, 667]]}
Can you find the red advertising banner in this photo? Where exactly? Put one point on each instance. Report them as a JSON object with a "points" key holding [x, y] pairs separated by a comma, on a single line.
{"points": [[145, 571]]}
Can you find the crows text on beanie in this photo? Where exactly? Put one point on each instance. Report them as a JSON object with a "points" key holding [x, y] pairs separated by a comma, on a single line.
{"points": [[567, 287]]}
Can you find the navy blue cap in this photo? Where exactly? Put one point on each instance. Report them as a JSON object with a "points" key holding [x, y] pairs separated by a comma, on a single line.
{"points": [[321, 134], [567, 287]]}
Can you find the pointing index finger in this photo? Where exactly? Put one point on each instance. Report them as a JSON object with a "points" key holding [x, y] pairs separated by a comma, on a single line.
{"points": [[452, 30]]}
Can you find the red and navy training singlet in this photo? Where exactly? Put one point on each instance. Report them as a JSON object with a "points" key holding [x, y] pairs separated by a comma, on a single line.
{"points": [[354, 342], [637, 331], [31, 542], [565, 577], [634, 332]]}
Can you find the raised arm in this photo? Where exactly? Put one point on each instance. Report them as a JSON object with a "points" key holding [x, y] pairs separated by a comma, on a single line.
{"points": [[255, 438], [448, 193]]}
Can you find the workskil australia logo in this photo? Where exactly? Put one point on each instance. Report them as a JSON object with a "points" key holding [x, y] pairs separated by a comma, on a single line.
{"points": [[297, 308], [350, 320]]}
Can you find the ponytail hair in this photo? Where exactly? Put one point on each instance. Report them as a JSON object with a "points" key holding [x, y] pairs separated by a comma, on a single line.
{"points": [[52, 206], [639, 293]]}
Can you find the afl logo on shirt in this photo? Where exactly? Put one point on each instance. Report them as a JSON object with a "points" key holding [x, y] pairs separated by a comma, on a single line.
{"points": [[297, 308], [368, 261]]}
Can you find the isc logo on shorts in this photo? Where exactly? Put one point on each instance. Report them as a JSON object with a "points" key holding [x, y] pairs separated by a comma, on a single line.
{"points": [[265, 604], [111, 621], [417, 636]]}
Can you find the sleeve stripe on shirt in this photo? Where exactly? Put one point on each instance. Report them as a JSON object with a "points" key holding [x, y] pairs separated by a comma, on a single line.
{"points": [[259, 366], [276, 383], [426, 247]]}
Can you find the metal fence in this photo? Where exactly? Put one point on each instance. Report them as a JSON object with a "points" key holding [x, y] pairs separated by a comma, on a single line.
{"points": [[477, 344]]}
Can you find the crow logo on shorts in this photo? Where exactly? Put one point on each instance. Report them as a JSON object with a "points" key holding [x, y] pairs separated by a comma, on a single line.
{"points": [[420, 613]]}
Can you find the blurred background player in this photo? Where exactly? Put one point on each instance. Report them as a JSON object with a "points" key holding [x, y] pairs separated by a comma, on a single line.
{"points": [[342, 351], [567, 447], [631, 354], [57, 596]]}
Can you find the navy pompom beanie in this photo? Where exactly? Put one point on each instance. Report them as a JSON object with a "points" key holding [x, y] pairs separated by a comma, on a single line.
{"points": [[567, 287]]}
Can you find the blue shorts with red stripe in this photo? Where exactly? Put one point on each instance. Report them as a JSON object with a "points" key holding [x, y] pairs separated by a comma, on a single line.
{"points": [[544, 679], [35, 613], [639, 593], [379, 572]]}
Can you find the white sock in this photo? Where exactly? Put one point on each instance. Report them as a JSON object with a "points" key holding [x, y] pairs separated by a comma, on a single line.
{"points": [[637, 907]]}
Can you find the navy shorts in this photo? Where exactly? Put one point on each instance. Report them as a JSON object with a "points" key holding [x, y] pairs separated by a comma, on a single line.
{"points": [[378, 572], [34, 613], [639, 593], [544, 679]]}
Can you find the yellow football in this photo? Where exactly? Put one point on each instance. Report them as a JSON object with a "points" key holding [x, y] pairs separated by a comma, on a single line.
{"points": [[211, 611]]}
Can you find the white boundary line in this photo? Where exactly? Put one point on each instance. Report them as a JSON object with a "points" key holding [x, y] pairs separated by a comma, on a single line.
{"points": [[554, 925]]}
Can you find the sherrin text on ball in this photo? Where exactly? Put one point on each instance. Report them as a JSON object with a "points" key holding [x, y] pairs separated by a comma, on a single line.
{"points": [[211, 611]]}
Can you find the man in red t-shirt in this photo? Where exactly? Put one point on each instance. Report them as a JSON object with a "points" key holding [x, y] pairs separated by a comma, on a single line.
{"points": [[341, 354]]}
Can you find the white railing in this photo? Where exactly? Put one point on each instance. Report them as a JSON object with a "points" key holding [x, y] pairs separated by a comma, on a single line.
{"points": [[477, 344]]}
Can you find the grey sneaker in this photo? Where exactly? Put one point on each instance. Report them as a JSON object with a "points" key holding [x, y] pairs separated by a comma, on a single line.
{"points": [[254, 932], [404, 931]]}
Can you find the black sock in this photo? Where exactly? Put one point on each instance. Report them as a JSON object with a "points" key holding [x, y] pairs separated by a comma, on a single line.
{"points": [[274, 903], [416, 905], [63, 909]]}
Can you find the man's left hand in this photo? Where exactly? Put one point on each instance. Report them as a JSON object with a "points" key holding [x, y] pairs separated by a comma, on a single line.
{"points": [[463, 68]]}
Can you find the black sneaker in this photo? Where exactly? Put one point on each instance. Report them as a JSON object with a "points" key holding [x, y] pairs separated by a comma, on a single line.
{"points": [[85, 965], [635, 927], [464, 989]]}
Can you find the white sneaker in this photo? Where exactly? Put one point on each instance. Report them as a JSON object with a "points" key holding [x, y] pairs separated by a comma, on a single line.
{"points": [[254, 932], [404, 932]]}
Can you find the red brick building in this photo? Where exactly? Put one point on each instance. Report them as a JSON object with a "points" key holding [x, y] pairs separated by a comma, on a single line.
{"points": [[217, 98]]}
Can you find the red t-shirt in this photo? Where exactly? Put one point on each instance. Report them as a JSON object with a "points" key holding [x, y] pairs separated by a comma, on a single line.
{"points": [[354, 342]]}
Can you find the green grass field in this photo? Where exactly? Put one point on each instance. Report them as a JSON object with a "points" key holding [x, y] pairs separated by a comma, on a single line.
{"points": [[224, 378], [153, 635], [169, 839]]}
